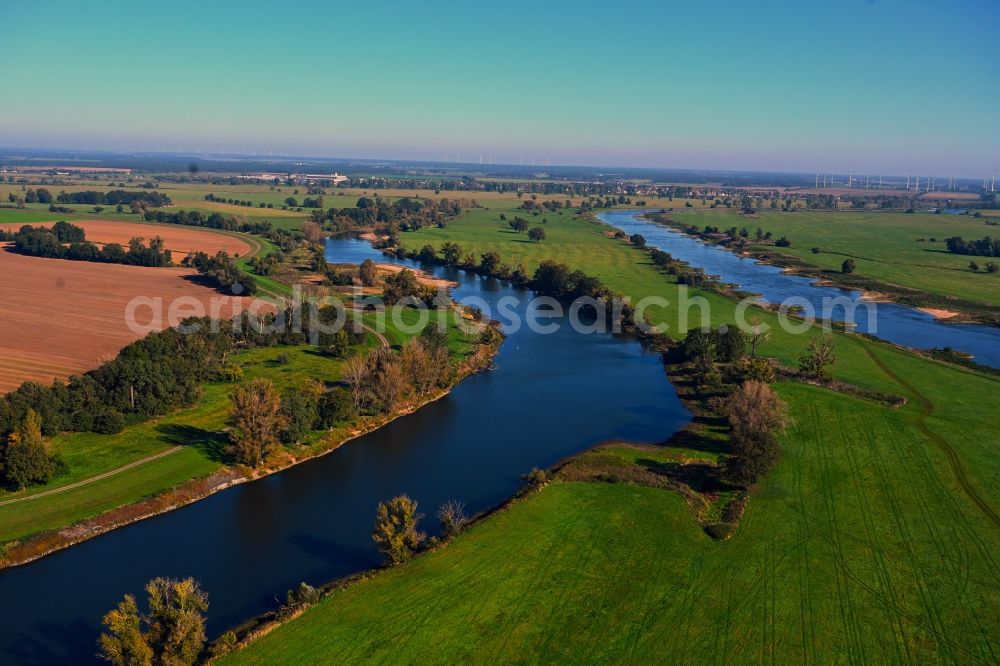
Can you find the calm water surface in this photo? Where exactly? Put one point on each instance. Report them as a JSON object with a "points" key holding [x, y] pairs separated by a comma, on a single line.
{"points": [[548, 397]]}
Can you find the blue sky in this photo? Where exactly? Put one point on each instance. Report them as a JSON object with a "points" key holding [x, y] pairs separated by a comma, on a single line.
{"points": [[881, 86]]}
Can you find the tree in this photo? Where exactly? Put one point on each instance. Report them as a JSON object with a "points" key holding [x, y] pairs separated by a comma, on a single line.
{"points": [[537, 234], [818, 357], [257, 421], [336, 406], [125, 644], [783, 242], [176, 620], [171, 634], [452, 517], [519, 224], [973, 266], [637, 240], [395, 532], [388, 381], [452, 253], [355, 373], [757, 337], [731, 344], [847, 266], [756, 415], [339, 344], [401, 285], [299, 409], [420, 366], [25, 458], [489, 261], [366, 273]]}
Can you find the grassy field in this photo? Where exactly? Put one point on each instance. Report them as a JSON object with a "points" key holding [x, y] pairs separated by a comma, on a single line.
{"points": [[198, 429], [857, 549], [875, 540], [895, 248]]}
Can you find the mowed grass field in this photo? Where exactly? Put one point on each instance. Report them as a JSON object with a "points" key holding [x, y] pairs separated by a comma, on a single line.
{"points": [[857, 549], [884, 246], [199, 431], [876, 540]]}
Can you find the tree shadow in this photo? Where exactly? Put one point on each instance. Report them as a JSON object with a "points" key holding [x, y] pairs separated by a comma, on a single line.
{"points": [[700, 477], [213, 444], [334, 553], [696, 441], [54, 643]]}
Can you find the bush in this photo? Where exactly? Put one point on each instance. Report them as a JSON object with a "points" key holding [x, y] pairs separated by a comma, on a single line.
{"points": [[452, 517], [536, 478], [395, 532]]}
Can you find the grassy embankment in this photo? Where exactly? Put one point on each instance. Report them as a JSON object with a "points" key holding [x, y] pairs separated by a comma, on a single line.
{"points": [[875, 540], [198, 431]]}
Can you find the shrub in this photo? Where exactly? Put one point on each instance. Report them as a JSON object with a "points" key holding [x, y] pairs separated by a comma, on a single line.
{"points": [[452, 517], [395, 532]]}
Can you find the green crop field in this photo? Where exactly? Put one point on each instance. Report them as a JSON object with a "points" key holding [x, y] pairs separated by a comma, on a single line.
{"points": [[875, 540], [895, 248], [198, 429]]}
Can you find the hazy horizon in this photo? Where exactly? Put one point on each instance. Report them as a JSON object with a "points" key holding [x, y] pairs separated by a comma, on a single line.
{"points": [[729, 87]]}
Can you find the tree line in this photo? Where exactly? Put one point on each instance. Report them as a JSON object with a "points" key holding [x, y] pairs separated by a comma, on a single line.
{"points": [[150, 199], [194, 218], [985, 247], [221, 271], [68, 241]]}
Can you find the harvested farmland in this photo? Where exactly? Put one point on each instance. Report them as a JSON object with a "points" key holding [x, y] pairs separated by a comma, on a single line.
{"points": [[59, 318], [178, 239]]}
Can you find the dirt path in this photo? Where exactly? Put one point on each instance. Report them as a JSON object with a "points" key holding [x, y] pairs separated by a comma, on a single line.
{"points": [[926, 408], [84, 482]]}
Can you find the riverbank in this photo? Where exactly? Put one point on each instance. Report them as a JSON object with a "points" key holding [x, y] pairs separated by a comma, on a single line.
{"points": [[948, 309], [39, 545]]}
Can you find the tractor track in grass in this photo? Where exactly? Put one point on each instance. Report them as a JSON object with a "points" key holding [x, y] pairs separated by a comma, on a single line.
{"points": [[925, 409]]}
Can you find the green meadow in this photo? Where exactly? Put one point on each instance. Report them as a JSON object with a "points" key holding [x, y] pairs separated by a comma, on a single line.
{"points": [[875, 540], [895, 248], [199, 430]]}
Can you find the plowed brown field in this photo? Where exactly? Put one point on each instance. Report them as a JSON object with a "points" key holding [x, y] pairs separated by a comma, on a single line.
{"points": [[178, 239], [59, 317]]}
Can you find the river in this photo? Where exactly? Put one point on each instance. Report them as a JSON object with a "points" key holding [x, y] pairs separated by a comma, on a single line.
{"points": [[549, 396], [896, 323]]}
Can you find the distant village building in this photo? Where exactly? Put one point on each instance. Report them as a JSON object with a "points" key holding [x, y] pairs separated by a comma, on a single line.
{"points": [[302, 178]]}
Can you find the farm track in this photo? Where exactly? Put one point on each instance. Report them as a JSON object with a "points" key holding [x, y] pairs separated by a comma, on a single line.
{"points": [[926, 408], [99, 477]]}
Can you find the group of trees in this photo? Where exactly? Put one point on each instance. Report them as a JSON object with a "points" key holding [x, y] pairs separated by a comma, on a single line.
{"points": [[24, 457], [986, 247], [194, 218], [262, 419], [171, 633], [146, 199], [161, 372], [236, 202], [686, 274], [379, 380], [396, 533], [756, 416], [222, 272], [67, 241], [41, 195], [389, 219]]}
